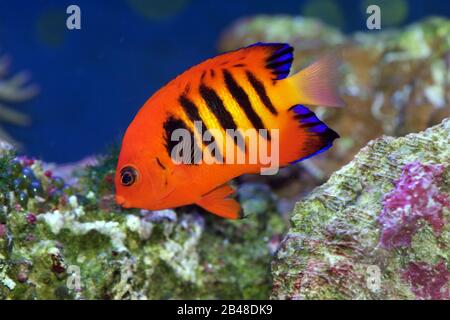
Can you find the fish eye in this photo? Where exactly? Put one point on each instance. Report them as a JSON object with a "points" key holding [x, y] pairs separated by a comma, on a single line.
{"points": [[128, 176]]}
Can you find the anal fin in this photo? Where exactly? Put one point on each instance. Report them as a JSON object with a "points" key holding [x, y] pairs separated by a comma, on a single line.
{"points": [[218, 203]]}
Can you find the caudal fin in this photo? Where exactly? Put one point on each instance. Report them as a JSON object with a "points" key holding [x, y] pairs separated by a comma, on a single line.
{"points": [[318, 83]]}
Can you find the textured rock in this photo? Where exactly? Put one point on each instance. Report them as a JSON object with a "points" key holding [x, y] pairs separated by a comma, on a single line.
{"points": [[336, 247]]}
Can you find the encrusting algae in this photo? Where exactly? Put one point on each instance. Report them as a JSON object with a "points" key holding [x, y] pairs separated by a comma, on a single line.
{"points": [[350, 239]]}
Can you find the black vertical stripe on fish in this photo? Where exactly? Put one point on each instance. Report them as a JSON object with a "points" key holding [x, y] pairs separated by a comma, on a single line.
{"points": [[243, 100], [212, 72], [191, 110], [216, 154], [216, 106], [170, 125], [261, 91]]}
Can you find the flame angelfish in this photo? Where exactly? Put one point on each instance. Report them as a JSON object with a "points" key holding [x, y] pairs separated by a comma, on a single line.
{"points": [[248, 88]]}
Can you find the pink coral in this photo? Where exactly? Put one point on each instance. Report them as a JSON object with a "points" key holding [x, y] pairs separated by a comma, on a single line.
{"points": [[428, 281], [31, 218], [416, 197]]}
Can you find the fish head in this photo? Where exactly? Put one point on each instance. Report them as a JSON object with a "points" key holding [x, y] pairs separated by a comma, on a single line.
{"points": [[139, 180]]}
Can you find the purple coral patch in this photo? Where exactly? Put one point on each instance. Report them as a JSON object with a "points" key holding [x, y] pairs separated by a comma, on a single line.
{"points": [[3, 230], [428, 281], [416, 197]]}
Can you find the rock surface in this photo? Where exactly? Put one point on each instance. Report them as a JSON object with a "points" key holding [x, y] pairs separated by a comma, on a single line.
{"points": [[378, 229]]}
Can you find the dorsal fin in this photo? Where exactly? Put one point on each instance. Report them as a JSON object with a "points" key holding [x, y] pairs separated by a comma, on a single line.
{"points": [[270, 61], [278, 59]]}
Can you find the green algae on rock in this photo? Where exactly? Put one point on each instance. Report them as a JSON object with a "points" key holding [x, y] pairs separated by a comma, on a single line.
{"points": [[72, 242], [333, 251]]}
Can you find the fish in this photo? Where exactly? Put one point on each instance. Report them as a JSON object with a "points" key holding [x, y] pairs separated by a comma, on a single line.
{"points": [[248, 88]]}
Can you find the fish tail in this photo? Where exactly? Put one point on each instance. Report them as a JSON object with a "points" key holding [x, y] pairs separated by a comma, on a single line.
{"points": [[317, 84], [304, 134]]}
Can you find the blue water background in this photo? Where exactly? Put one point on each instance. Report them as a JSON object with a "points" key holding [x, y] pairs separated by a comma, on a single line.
{"points": [[94, 80]]}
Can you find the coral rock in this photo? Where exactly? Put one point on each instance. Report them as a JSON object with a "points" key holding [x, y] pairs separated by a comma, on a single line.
{"points": [[340, 245], [416, 196]]}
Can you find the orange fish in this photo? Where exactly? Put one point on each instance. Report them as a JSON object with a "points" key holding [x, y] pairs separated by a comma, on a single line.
{"points": [[248, 88]]}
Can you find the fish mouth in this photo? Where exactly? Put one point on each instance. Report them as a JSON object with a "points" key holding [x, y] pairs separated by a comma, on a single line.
{"points": [[121, 201]]}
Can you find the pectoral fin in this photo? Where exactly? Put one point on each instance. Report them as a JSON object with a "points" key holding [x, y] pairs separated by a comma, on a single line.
{"points": [[218, 203]]}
